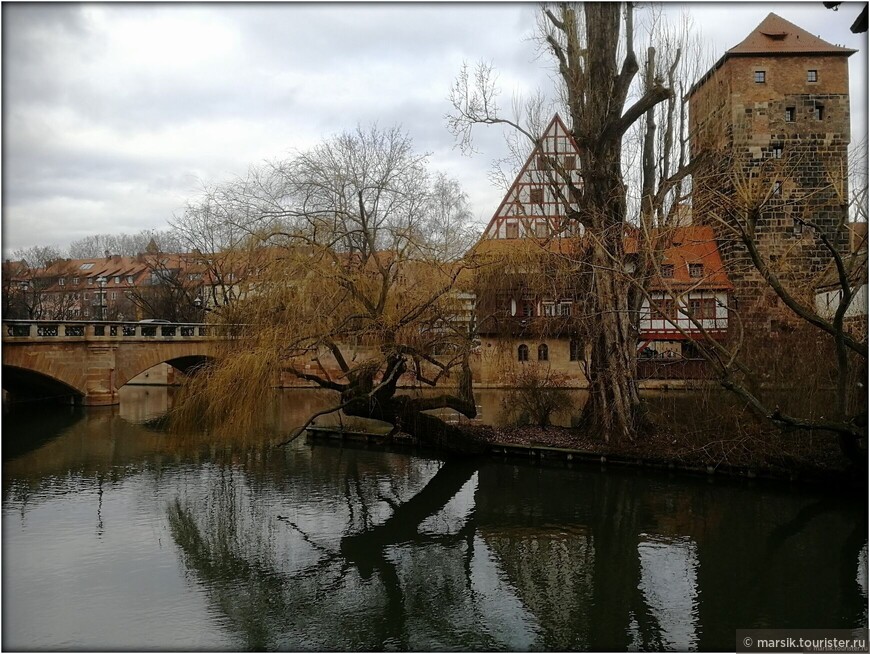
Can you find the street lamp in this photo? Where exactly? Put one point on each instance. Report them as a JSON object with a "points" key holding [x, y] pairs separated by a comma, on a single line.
{"points": [[200, 308], [101, 296]]}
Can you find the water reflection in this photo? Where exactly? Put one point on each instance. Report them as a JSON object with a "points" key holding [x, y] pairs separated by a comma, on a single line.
{"points": [[114, 533]]}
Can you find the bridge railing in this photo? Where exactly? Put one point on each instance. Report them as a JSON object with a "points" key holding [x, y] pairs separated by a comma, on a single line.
{"points": [[109, 330]]}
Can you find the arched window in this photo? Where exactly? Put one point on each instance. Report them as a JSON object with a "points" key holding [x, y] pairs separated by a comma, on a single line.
{"points": [[523, 352], [543, 352]]}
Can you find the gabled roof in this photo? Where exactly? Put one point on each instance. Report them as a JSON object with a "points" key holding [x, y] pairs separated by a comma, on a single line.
{"points": [[690, 245], [776, 35], [553, 146]]}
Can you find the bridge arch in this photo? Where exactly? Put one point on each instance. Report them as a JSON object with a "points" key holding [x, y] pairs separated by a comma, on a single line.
{"points": [[91, 361], [187, 364], [135, 358], [23, 383]]}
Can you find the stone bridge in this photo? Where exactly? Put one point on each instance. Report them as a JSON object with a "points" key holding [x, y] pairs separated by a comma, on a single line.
{"points": [[87, 362]]}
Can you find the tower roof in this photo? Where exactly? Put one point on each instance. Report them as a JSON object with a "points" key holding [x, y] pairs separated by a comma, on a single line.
{"points": [[776, 35]]}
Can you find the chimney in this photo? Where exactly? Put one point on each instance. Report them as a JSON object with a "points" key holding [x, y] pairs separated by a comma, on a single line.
{"points": [[108, 256]]}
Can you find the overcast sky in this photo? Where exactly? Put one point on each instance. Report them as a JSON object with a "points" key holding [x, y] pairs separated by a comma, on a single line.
{"points": [[114, 114]]}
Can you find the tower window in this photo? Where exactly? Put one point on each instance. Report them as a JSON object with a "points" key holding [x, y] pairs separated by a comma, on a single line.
{"points": [[777, 189], [812, 76], [759, 76], [523, 352], [789, 114], [797, 227], [536, 195], [819, 112], [776, 151]]}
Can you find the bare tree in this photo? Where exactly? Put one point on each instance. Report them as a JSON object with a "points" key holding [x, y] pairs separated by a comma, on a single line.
{"points": [[171, 291], [37, 257], [593, 48], [126, 245]]}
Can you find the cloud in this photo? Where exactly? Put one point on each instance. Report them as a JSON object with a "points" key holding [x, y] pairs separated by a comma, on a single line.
{"points": [[115, 113]]}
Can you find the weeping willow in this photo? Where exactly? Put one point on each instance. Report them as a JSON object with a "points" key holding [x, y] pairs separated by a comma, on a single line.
{"points": [[352, 288]]}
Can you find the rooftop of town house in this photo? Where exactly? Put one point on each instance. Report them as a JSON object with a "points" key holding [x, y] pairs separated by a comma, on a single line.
{"points": [[690, 260], [776, 36], [689, 250]]}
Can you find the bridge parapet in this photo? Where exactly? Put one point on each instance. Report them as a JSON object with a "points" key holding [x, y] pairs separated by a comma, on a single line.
{"points": [[91, 360], [17, 331]]}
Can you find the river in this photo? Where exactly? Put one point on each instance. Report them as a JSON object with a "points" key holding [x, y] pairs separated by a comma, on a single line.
{"points": [[117, 537]]}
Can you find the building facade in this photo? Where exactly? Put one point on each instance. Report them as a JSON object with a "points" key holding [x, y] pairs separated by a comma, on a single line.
{"points": [[770, 122], [532, 278]]}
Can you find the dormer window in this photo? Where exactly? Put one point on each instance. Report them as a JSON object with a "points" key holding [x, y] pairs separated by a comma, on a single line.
{"points": [[760, 76], [812, 76], [667, 271], [696, 270]]}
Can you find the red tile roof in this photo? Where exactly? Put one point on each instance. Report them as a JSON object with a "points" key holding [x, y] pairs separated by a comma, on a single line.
{"points": [[776, 35]]}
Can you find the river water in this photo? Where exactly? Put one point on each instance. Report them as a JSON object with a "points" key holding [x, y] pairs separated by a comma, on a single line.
{"points": [[119, 537]]}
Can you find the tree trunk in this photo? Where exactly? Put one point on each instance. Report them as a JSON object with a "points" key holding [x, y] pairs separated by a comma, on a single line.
{"points": [[406, 413], [613, 409]]}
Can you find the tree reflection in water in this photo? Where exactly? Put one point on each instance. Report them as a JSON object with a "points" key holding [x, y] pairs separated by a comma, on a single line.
{"points": [[413, 554], [404, 582]]}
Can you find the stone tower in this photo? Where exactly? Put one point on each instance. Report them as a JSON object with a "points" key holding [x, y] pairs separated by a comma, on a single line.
{"points": [[771, 122]]}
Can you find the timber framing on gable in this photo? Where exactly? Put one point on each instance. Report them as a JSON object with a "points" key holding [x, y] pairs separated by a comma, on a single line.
{"points": [[539, 199]]}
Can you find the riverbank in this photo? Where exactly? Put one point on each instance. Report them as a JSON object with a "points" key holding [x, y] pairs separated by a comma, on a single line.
{"points": [[761, 455], [764, 456]]}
